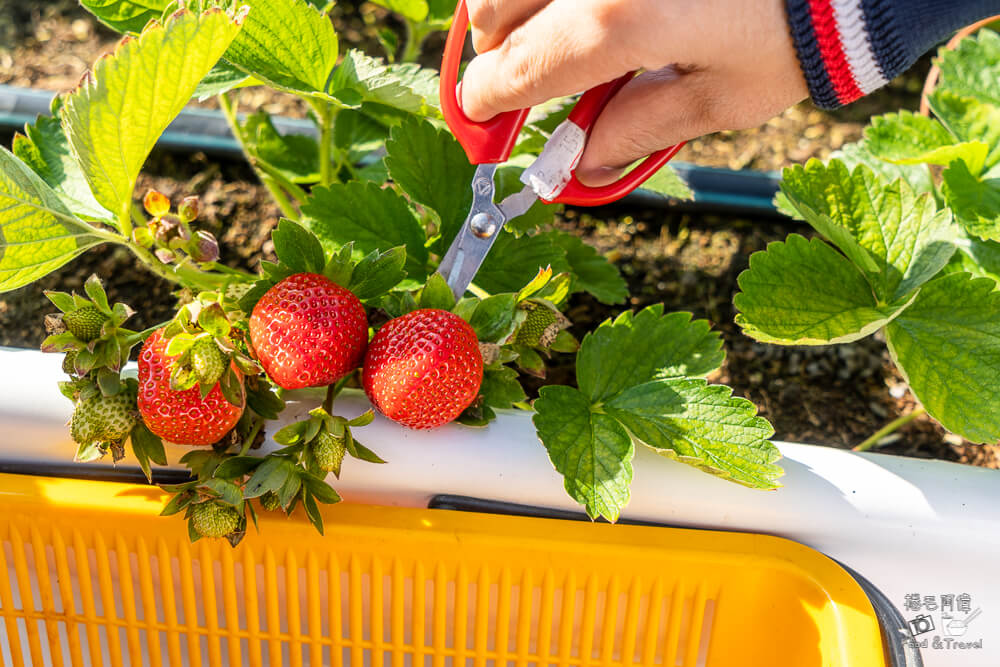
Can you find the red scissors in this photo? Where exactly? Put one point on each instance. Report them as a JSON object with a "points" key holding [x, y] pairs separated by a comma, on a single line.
{"points": [[551, 178]]}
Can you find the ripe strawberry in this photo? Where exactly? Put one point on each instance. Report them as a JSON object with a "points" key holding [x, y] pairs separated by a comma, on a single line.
{"points": [[207, 361], [103, 418], [183, 417], [85, 322], [424, 368], [308, 331], [213, 519]]}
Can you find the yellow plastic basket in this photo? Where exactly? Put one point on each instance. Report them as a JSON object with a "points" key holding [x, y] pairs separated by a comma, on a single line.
{"points": [[90, 576]]}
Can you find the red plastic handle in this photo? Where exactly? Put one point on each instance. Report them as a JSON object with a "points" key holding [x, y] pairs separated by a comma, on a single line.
{"points": [[485, 143], [492, 141]]}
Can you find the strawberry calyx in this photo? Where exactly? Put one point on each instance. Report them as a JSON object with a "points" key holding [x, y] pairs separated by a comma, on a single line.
{"points": [[90, 332], [207, 353]]}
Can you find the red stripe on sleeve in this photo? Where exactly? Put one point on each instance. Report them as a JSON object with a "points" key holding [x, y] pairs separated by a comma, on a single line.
{"points": [[828, 38]]}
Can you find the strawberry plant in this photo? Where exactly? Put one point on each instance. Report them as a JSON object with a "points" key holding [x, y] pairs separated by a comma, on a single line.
{"points": [[352, 302], [909, 247]]}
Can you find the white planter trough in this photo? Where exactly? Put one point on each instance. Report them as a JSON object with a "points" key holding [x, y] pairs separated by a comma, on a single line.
{"points": [[919, 530]]}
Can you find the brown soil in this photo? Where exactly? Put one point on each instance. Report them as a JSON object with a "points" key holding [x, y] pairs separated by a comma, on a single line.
{"points": [[835, 395]]}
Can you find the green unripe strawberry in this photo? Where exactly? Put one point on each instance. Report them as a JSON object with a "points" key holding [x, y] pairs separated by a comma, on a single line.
{"points": [[270, 501], [328, 452], [212, 519], [207, 361], [85, 322], [541, 326], [103, 418], [69, 362]]}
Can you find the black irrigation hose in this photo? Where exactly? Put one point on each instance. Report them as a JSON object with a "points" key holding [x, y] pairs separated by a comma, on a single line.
{"points": [[740, 192]]}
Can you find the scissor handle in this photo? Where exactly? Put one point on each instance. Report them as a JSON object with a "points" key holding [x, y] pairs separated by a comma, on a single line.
{"points": [[492, 141]]}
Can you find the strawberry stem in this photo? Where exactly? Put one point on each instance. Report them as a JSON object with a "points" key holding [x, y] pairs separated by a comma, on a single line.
{"points": [[258, 425], [889, 428]]}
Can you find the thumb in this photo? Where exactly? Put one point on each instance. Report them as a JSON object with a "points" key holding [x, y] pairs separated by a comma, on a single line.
{"points": [[655, 110]]}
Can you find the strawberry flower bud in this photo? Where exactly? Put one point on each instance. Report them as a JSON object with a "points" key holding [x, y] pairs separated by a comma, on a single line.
{"points": [[166, 230], [204, 247], [189, 209], [142, 236], [164, 255], [156, 203]]}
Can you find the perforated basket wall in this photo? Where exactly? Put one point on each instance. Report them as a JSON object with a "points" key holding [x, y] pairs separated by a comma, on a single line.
{"points": [[89, 575]]}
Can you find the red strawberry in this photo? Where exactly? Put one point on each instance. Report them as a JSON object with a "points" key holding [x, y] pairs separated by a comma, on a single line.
{"points": [[183, 417], [424, 368], [308, 331]]}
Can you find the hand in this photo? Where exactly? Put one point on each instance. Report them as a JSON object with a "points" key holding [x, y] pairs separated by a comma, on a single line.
{"points": [[710, 65]]}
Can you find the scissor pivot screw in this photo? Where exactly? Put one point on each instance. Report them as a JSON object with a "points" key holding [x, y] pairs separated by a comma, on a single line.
{"points": [[483, 225]]}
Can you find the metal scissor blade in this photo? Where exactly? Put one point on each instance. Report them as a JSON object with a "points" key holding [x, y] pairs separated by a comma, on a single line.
{"points": [[478, 233], [518, 203]]}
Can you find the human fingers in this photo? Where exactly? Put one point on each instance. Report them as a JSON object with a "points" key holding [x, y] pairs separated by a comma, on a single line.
{"points": [[493, 20], [562, 49]]}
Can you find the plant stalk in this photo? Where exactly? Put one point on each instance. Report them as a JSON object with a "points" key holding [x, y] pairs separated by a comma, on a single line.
{"points": [[258, 425], [889, 428], [182, 275], [414, 39], [326, 114], [280, 198], [229, 111]]}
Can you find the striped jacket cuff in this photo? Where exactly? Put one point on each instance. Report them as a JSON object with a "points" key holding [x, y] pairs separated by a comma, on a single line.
{"points": [[847, 48]]}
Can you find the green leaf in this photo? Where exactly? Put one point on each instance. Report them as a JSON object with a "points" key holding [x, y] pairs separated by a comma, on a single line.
{"points": [[358, 134], [125, 15], [415, 10], [978, 257], [667, 182], [970, 70], [38, 234], [975, 201], [493, 318], [312, 512], [378, 273], [898, 239], [177, 503], [501, 388], [969, 120], [701, 425], [288, 44], [592, 451], [228, 492], [322, 491], [360, 78], [296, 156], [271, 475], [436, 294], [909, 138], [297, 247], [236, 467], [592, 272], [221, 79], [147, 447], [374, 218], [947, 344], [634, 349], [917, 175], [513, 261], [801, 292], [431, 167], [115, 117], [46, 150]]}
